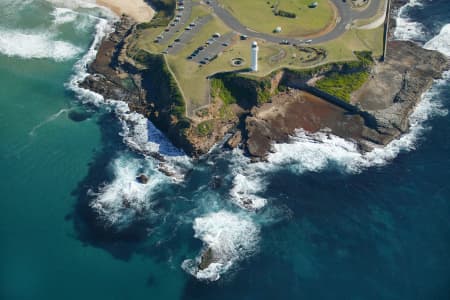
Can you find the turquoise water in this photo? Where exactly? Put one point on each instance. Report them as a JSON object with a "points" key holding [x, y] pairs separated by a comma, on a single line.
{"points": [[43, 157], [330, 227]]}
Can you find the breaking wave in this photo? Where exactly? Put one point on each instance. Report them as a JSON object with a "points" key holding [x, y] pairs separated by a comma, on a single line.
{"points": [[407, 29], [227, 238], [315, 152], [308, 152], [126, 200], [63, 15], [441, 42], [17, 43]]}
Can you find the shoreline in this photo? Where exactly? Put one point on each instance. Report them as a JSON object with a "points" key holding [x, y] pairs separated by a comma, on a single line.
{"points": [[138, 10], [382, 121]]}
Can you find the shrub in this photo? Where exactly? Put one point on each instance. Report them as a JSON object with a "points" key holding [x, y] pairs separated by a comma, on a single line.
{"points": [[286, 14], [205, 128], [342, 85], [218, 89]]}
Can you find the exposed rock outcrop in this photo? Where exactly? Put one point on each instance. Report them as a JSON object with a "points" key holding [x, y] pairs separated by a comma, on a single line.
{"points": [[378, 113]]}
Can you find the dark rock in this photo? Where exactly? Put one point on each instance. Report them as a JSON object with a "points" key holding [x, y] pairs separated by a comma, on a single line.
{"points": [[206, 259], [216, 182], [163, 169], [142, 179], [235, 140], [78, 115]]}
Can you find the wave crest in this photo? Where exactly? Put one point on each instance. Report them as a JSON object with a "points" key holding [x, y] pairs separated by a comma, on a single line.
{"points": [[125, 200], [441, 42], [407, 29], [35, 45], [227, 238]]}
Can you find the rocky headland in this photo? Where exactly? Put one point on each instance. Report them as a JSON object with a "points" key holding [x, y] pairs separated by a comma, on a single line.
{"points": [[269, 110]]}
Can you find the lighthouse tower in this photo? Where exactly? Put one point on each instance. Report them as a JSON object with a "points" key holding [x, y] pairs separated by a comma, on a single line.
{"points": [[255, 50]]}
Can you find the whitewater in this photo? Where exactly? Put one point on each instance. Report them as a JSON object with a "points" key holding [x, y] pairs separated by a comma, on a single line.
{"points": [[231, 226]]}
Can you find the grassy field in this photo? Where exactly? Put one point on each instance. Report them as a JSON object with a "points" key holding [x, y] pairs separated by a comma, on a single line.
{"points": [[192, 77], [308, 20], [342, 48]]}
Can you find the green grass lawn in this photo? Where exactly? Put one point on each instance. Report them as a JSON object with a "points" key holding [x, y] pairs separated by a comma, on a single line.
{"points": [[192, 77], [342, 48], [258, 15]]}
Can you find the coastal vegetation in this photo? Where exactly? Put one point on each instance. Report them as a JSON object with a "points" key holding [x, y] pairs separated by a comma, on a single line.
{"points": [[163, 84], [192, 101], [342, 86], [165, 10], [218, 89], [349, 78], [191, 76]]}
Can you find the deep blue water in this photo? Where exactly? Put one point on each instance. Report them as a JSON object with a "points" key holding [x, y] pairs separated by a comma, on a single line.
{"points": [[325, 233]]}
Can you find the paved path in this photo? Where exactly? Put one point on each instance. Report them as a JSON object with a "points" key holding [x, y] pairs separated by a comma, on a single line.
{"points": [[346, 15]]}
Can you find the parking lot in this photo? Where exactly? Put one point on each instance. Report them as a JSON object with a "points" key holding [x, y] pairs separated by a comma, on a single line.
{"points": [[187, 35], [178, 23], [208, 51]]}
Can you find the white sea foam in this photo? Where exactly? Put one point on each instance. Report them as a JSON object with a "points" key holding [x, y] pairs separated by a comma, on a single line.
{"points": [[230, 238], [125, 200], [27, 44], [141, 135], [315, 152], [74, 4], [63, 15], [308, 152], [138, 133], [247, 182], [441, 42], [405, 28]]}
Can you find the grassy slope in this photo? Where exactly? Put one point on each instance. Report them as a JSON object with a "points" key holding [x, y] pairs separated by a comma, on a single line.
{"points": [[308, 20], [193, 79], [349, 79]]}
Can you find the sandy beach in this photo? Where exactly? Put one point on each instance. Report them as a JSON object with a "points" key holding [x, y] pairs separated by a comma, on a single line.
{"points": [[137, 9]]}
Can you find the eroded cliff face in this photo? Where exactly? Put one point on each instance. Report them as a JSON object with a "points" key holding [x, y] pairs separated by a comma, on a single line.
{"points": [[143, 81], [268, 110]]}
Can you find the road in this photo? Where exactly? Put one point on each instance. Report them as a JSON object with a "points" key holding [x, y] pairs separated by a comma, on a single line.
{"points": [[346, 15]]}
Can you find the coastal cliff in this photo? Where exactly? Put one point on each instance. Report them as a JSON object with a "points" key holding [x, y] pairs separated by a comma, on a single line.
{"points": [[258, 112]]}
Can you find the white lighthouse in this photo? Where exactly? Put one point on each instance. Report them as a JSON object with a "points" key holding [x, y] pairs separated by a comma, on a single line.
{"points": [[255, 50]]}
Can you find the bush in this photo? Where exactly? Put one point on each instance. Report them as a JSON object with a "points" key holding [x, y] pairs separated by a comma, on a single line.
{"points": [[165, 12], [342, 85], [205, 128], [286, 14], [218, 89]]}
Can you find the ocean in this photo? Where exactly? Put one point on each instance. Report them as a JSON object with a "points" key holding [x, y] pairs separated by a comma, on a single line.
{"points": [[325, 221]]}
